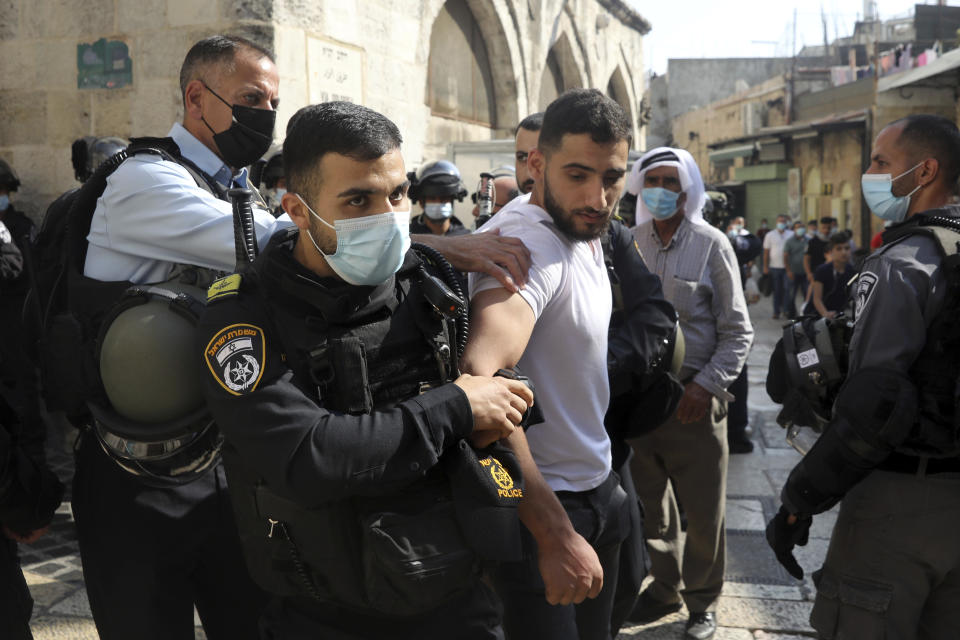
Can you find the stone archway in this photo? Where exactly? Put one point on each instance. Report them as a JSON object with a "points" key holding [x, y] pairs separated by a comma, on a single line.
{"points": [[494, 48], [618, 91], [560, 72]]}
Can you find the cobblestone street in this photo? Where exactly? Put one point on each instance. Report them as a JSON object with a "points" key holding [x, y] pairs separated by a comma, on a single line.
{"points": [[760, 599]]}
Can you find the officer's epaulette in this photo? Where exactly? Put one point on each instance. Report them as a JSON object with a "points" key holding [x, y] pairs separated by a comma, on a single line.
{"points": [[224, 288]]}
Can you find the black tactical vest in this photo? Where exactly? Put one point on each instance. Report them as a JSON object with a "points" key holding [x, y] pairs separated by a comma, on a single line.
{"points": [[936, 372], [395, 555], [73, 311]]}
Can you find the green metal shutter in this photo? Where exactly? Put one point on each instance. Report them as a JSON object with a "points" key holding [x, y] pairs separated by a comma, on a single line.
{"points": [[765, 199]]}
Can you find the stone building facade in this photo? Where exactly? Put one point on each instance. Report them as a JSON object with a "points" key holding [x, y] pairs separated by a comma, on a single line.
{"points": [[444, 70]]}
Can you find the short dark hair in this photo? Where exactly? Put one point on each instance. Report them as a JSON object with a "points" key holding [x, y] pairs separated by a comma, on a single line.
{"points": [[333, 127], [583, 111], [929, 135], [836, 239], [532, 122], [215, 50], [827, 220]]}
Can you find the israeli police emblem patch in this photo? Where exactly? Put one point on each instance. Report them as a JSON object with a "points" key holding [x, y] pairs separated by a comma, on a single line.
{"points": [[235, 357], [865, 284]]}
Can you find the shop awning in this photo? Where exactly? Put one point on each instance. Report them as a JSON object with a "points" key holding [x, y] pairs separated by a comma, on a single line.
{"points": [[729, 153]]}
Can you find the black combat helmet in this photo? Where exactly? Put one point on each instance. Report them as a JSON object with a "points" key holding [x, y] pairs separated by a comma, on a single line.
{"points": [[8, 177]]}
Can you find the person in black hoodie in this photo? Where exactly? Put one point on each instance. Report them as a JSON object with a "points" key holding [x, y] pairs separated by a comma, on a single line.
{"points": [[29, 491]]}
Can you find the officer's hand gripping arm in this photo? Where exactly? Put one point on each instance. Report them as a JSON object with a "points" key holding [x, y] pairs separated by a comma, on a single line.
{"points": [[504, 258]]}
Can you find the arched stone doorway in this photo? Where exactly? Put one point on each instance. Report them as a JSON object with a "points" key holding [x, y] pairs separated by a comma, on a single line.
{"points": [[561, 72], [459, 80], [617, 90]]}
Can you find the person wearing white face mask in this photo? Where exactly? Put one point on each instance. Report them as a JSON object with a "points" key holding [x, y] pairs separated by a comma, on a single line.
{"points": [[335, 383], [686, 458], [435, 187], [774, 265], [891, 450]]}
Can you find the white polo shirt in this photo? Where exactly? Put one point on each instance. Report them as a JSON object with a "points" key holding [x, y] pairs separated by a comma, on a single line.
{"points": [[774, 242], [566, 357]]}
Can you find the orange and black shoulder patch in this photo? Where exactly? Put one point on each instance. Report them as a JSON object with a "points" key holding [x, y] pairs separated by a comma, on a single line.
{"points": [[501, 477], [235, 357]]}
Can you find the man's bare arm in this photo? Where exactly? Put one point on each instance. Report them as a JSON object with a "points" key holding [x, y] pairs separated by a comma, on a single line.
{"points": [[501, 324], [504, 258]]}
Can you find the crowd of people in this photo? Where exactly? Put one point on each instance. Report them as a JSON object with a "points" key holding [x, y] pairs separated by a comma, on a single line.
{"points": [[362, 419]]}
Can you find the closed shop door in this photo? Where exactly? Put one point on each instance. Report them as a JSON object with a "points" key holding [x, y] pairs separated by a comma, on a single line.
{"points": [[766, 199]]}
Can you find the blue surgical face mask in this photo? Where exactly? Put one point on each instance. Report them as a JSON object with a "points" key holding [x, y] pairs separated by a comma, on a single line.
{"points": [[369, 249], [733, 233], [438, 210], [660, 202], [4, 202], [781, 226], [878, 192]]}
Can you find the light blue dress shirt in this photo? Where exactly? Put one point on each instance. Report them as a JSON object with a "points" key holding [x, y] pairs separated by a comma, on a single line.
{"points": [[153, 216]]}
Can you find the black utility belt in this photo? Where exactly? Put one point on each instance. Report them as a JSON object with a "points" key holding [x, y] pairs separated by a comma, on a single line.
{"points": [[902, 463]]}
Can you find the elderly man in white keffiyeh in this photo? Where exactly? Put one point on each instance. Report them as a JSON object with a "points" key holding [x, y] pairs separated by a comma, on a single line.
{"points": [[686, 458]]}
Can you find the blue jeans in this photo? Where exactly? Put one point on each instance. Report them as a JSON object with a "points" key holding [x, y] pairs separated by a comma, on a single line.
{"points": [[779, 278], [797, 285]]}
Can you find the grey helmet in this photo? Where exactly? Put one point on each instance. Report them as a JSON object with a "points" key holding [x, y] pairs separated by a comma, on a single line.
{"points": [[8, 177], [437, 179], [90, 152], [153, 421]]}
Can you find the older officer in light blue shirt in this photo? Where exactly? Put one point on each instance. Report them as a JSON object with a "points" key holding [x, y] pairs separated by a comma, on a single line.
{"points": [[152, 554], [152, 216]]}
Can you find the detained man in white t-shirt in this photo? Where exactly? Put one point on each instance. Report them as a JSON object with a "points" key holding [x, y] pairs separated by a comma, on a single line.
{"points": [[555, 330]]}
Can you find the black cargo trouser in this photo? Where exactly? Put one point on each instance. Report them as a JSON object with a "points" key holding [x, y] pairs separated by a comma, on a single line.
{"points": [[16, 605], [150, 555], [475, 615], [602, 517]]}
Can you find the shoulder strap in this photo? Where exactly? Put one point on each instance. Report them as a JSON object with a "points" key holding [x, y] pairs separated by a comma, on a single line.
{"points": [[167, 149]]}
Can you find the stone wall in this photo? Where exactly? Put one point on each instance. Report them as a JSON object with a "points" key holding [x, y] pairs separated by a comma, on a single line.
{"points": [[741, 114], [370, 51], [831, 164]]}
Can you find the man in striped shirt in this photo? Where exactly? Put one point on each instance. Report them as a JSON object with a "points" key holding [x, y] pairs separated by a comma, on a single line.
{"points": [[686, 458]]}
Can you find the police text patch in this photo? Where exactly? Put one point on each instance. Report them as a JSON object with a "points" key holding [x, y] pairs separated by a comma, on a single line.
{"points": [[502, 478], [235, 357], [865, 285]]}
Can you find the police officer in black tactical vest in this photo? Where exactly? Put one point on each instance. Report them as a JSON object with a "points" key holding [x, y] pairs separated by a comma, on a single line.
{"points": [[330, 365], [891, 451]]}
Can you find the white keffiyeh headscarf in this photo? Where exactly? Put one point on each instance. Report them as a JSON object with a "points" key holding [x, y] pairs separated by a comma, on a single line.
{"points": [[690, 181]]}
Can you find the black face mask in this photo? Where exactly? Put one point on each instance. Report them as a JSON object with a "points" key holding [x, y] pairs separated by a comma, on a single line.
{"points": [[248, 138]]}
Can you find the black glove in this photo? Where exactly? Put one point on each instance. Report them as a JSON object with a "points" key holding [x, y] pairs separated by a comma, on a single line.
{"points": [[783, 537]]}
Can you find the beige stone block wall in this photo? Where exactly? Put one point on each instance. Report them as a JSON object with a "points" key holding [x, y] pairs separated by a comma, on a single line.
{"points": [[42, 111], [836, 156]]}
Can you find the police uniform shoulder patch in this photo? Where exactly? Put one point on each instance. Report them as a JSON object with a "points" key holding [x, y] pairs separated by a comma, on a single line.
{"points": [[224, 287], [235, 357], [865, 286], [501, 477]]}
